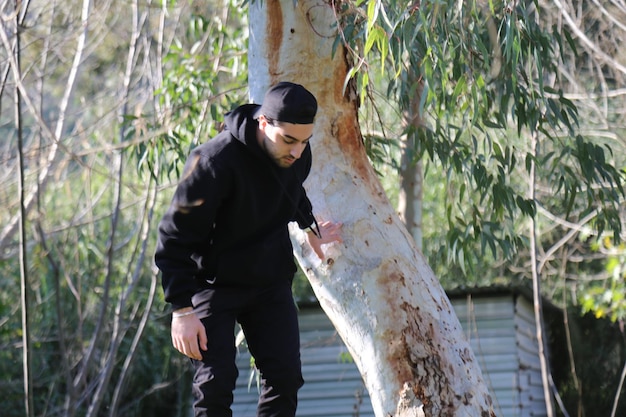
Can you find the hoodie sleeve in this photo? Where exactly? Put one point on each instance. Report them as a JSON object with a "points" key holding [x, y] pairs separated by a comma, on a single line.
{"points": [[186, 227]]}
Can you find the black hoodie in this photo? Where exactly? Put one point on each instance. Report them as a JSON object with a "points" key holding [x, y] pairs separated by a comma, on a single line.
{"points": [[227, 223]]}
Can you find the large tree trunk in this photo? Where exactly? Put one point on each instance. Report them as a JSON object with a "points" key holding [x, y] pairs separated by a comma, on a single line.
{"points": [[376, 287]]}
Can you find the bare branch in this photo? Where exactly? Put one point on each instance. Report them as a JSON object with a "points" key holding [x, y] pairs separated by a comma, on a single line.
{"points": [[43, 177], [592, 47]]}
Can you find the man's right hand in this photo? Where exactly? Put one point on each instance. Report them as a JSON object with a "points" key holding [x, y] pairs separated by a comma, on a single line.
{"points": [[188, 334]]}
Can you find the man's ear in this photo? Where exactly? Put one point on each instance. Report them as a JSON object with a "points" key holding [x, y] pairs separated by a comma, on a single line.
{"points": [[262, 122]]}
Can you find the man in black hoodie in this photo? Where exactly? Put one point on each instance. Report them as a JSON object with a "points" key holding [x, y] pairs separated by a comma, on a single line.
{"points": [[225, 254]]}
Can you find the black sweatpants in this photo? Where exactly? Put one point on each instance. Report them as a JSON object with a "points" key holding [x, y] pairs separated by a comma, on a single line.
{"points": [[269, 320]]}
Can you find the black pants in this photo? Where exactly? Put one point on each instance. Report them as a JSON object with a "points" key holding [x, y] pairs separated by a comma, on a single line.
{"points": [[269, 320]]}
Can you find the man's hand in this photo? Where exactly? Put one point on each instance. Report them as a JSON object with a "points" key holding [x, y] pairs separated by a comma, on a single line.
{"points": [[330, 232], [188, 334]]}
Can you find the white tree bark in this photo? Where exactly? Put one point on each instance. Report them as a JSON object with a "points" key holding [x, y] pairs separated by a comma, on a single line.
{"points": [[376, 287]]}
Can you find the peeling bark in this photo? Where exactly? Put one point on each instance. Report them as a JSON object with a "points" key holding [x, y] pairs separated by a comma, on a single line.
{"points": [[376, 287]]}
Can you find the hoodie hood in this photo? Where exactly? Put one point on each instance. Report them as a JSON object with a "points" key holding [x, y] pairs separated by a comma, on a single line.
{"points": [[241, 122]]}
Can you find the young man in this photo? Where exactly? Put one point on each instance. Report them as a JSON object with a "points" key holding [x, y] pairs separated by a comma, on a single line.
{"points": [[225, 254]]}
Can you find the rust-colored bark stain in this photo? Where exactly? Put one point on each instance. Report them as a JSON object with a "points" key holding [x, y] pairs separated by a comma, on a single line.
{"points": [[274, 36], [415, 354], [345, 128]]}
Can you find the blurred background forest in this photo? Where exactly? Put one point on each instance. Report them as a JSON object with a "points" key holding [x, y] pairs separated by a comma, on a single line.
{"points": [[102, 101]]}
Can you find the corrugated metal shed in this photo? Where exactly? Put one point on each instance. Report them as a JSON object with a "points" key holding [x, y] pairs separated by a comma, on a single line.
{"points": [[499, 325], [502, 332]]}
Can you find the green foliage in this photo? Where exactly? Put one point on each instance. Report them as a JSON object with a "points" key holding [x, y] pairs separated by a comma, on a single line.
{"points": [[91, 233], [72, 284], [598, 347], [606, 295], [203, 79], [490, 83], [10, 336], [301, 288]]}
